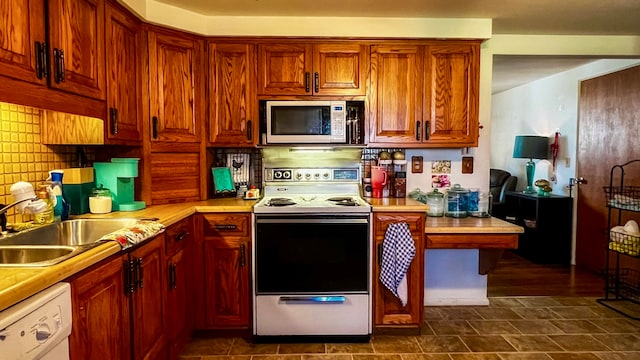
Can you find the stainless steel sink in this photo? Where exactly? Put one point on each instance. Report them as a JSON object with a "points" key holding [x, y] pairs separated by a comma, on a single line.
{"points": [[68, 232], [50, 244], [36, 255]]}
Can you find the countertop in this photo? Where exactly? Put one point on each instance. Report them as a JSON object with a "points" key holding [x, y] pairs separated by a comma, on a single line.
{"points": [[18, 283]]}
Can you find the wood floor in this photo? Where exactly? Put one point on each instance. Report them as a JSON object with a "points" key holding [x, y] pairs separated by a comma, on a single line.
{"points": [[516, 276]]}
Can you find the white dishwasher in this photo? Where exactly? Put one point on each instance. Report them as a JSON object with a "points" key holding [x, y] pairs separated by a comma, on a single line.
{"points": [[38, 327]]}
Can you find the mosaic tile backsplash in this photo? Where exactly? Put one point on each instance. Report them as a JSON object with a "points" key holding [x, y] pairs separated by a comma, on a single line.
{"points": [[23, 157]]}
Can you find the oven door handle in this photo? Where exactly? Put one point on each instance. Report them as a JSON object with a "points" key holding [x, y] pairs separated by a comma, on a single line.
{"points": [[314, 299], [312, 221]]}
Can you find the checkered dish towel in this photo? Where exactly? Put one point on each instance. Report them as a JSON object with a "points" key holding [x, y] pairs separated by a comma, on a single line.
{"points": [[398, 250]]}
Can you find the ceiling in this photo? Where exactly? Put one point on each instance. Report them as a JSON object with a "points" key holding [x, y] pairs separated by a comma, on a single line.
{"points": [[541, 17]]}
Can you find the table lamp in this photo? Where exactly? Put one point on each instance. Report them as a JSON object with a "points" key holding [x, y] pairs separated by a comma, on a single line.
{"points": [[530, 147]]}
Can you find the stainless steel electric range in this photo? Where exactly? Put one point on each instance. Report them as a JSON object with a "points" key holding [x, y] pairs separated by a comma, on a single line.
{"points": [[312, 248]]}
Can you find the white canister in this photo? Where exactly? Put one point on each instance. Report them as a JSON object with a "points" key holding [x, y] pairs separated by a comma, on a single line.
{"points": [[100, 201]]}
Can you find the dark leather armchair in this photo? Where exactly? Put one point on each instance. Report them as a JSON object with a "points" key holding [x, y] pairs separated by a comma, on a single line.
{"points": [[500, 181]]}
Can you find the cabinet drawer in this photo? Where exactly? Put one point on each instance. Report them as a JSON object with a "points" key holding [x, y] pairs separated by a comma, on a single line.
{"points": [[221, 225], [382, 221], [178, 234], [472, 241]]}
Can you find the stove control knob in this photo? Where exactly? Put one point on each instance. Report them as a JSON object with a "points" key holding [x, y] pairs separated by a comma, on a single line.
{"points": [[316, 176], [307, 176], [325, 176], [298, 176], [286, 174], [277, 174]]}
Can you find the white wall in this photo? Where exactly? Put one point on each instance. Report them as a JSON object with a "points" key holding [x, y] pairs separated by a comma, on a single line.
{"points": [[540, 108]]}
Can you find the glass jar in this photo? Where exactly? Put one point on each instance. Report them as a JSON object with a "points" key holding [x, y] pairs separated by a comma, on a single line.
{"points": [[435, 200], [100, 200], [457, 201]]}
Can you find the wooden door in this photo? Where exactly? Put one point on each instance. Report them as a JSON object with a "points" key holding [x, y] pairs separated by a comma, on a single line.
{"points": [[608, 134], [233, 114], [149, 338], [284, 69], [388, 310], [21, 28], [174, 73], [226, 268], [175, 177], [124, 125], [340, 69], [451, 98], [76, 46], [177, 325], [395, 115], [101, 325]]}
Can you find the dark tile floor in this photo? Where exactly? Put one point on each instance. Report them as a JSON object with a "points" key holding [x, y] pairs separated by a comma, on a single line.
{"points": [[510, 328]]}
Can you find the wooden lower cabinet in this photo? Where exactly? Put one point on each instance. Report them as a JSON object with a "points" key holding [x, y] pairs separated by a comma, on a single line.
{"points": [[179, 286], [226, 246], [149, 341], [388, 312], [101, 323], [118, 307]]}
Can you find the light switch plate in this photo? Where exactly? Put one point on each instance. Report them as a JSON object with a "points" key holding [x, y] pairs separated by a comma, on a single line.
{"points": [[416, 164], [467, 165]]}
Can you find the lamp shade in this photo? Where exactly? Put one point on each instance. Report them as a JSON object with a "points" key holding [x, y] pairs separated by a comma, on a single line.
{"points": [[531, 147]]}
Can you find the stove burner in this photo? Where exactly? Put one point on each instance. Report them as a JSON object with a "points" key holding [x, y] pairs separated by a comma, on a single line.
{"points": [[343, 201], [280, 202]]}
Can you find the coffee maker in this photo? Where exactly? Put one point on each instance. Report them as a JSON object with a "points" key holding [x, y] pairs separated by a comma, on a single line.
{"points": [[118, 176]]}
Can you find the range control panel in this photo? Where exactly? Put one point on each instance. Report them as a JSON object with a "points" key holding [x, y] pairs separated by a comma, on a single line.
{"points": [[312, 175]]}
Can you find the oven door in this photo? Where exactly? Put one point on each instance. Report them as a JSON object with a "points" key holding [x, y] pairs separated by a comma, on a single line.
{"points": [[312, 254], [312, 276]]}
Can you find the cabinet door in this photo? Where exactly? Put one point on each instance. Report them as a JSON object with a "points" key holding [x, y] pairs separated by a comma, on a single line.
{"points": [[395, 115], [123, 79], [388, 310], [21, 27], [226, 269], [76, 48], [451, 94], [149, 341], [174, 74], [178, 325], [232, 102], [284, 69], [340, 69], [101, 323]]}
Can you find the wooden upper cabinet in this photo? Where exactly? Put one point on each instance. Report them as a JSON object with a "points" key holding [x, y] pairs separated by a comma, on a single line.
{"points": [[339, 68], [175, 86], [21, 32], [424, 95], [451, 94], [76, 46], [395, 100], [233, 113], [123, 125]]}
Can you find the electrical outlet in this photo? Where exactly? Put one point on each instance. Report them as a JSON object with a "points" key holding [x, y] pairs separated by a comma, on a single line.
{"points": [[467, 165], [567, 162], [416, 164]]}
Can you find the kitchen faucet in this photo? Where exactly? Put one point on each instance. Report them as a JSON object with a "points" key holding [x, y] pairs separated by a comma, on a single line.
{"points": [[4, 209]]}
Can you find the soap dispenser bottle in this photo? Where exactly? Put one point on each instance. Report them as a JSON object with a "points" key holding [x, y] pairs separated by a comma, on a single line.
{"points": [[61, 206]]}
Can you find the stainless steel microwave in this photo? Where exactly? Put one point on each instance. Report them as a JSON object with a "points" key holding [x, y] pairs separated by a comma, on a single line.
{"points": [[306, 122]]}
